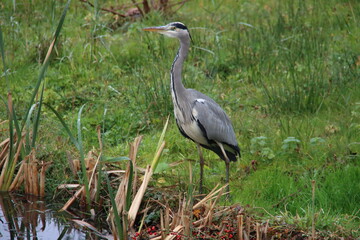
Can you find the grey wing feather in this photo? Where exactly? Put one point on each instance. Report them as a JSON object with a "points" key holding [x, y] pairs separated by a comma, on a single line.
{"points": [[213, 118]]}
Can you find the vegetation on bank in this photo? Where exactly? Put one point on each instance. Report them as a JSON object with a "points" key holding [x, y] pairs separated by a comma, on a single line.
{"points": [[286, 72]]}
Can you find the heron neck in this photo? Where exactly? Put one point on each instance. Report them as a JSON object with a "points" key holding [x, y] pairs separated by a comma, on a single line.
{"points": [[176, 84]]}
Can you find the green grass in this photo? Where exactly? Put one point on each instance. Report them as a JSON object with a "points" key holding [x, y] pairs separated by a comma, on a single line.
{"points": [[280, 69]]}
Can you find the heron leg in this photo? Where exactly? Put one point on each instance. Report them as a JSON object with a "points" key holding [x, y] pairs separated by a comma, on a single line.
{"points": [[201, 168], [227, 164]]}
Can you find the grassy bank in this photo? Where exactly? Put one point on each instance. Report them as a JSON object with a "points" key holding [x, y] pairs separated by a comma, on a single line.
{"points": [[286, 72]]}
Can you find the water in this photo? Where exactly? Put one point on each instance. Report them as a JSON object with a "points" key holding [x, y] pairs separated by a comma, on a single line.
{"points": [[26, 217]]}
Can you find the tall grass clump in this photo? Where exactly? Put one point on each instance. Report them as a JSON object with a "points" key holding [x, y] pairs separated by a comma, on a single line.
{"points": [[295, 79], [290, 52]]}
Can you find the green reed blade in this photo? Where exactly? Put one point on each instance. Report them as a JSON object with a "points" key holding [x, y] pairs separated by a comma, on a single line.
{"points": [[129, 187], [37, 117], [82, 159]]}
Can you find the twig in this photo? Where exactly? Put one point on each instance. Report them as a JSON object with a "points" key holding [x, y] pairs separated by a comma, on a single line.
{"points": [[240, 222], [72, 199], [248, 222], [138, 7], [258, 235]]}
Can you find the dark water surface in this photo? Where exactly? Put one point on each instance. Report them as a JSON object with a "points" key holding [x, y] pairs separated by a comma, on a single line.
{"points": [[26, 217]]}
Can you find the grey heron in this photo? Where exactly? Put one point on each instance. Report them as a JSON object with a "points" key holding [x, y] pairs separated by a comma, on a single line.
{"points": [[198, 117]]}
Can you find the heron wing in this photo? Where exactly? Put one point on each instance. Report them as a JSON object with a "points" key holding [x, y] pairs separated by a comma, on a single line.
{"points": [[213, 121]]}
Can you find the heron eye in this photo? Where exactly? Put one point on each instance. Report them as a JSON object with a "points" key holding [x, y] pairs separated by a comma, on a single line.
{"points": [[173, 28]]}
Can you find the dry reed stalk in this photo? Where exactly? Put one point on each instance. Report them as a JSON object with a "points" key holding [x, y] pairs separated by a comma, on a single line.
{"points": [[93, 189], [167, 219], [208, 218], [34, 178], [217, 198], [6, 141], [16, 157], [93, 179], [73, 163], [182, 209], [134, 208], [120, 197], [220, 212], [32, 173], [248, 222], [176, 221], [258, 234], [222, 228], [116, 172], [133, 153], [3, 122], [87, 225], [90, 164], [110, 220], [187, 225], [73, 198], [121, 194], [265, 229], [162, 224], [217, 214], [178, 217], [210, 196], [240, 223], [208, 207], [29, 178], [44, 167], [177, 230], [19, 178], [5, 149], [26, 176], [68, 186]]}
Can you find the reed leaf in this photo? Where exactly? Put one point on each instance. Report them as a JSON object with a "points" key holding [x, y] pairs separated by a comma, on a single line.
{"points": [[27, 135], [37, 118], [129, 187], [82, 159], [160, 143]]}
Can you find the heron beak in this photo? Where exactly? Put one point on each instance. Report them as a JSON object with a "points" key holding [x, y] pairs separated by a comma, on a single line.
{"points": [[155, 29]]}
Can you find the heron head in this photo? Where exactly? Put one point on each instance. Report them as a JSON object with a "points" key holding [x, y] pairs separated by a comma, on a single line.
{"points": [[173, 30]]}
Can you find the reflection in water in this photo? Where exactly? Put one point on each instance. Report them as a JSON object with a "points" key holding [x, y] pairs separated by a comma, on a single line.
{"points": [[28, 218]]}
